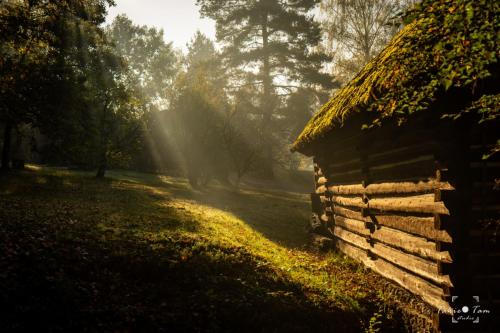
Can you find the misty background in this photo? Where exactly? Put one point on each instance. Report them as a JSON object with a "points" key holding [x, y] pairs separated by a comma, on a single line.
{"points": [[212, 90]]}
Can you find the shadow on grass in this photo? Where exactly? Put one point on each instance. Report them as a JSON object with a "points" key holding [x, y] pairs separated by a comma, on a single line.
{"points": [[117, 255], [60, 272], [279, 216]]}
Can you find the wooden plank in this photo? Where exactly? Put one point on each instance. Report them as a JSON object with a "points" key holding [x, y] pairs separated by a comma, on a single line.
{"points": [[419, 266], [485, 195], [409, 243], [419, 204], [401, 164], [414, 204], [321, 189], [391, 188], [321, 181], [421, 226], [405, 153], [429, 292], [491, 208], [352, 173], [481, 263], [417, 170], [326, 200], [345, 165], [399, 139]]}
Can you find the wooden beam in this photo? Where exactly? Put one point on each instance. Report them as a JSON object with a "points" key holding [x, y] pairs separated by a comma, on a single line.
{"points": [[415, 204], [413, 244], [390, 188], [321, 189], [419, 266], [321, 181], [421, 226], [429, 292]]}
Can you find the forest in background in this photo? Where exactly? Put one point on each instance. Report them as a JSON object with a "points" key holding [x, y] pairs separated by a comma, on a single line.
{"points": [[78, 93]]}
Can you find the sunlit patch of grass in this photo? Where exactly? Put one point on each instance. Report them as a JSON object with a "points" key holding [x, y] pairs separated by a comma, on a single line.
{"points": [[32, 167], [250, 242]]}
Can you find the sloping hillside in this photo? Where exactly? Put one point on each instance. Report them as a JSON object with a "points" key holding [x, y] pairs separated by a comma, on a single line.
{"points": [[140, 252]]}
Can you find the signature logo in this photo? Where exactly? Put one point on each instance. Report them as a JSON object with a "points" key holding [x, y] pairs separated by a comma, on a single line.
{"points": [[467, 310]]}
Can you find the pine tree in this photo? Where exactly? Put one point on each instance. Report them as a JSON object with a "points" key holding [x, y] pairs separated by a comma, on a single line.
{"points": [[274, 41]]}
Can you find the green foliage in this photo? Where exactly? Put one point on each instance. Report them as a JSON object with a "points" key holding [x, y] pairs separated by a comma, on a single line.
{"points": [[374, 323], [86, 88], [271, 46], [453, 44], [357, 30], [278, 34], [33, 35], [448, 47], [152, 63]]}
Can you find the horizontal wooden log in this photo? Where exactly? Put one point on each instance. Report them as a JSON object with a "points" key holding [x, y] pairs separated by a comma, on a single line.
{"points": [[479, 208], [321, 189], [344, 165], [485, 164], [481, 263], [421, 226], [476, 232], [318, 173], [351, 174], [405, 153], [390, 188], [326, 200], [339, 159], [419, 266], [401, 164], [414, 204], [409, 243], [485, 198], [487, 284], [321, 181], [484, 175], [420, 170], [400, 139], [429, 292]]}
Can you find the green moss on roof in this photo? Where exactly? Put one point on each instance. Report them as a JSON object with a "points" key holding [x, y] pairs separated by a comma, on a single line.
{"points": [[445, 44]]}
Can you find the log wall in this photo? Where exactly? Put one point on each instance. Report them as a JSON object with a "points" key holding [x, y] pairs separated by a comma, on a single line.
{"points": [[420, 207]]}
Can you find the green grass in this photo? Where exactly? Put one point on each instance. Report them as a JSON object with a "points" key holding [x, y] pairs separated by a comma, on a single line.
{"points": [[141, 252]]}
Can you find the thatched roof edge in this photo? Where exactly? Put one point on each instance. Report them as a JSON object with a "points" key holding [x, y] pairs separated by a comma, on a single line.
{"points": [[354, 96]]}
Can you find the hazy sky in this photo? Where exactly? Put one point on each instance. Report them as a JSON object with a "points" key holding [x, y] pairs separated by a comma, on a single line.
{"points": [[178, 18]]}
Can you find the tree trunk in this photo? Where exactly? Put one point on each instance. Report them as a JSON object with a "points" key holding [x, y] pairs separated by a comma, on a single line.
{"points": [[101, 171], [7, 143], [267, 107]]}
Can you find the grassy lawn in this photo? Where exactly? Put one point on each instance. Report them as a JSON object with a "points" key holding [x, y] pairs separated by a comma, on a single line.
{"points": [[138, 252]]}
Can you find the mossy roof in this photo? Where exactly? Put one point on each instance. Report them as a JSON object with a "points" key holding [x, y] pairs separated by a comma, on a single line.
{"points": [[353, 97], [450, 45]]}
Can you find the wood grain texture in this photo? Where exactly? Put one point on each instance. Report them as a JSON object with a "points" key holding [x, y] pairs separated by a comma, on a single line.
{"points": [[429, 292]]}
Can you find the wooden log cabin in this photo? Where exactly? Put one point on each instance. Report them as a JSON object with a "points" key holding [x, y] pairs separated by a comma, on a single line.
{"points": [[410, 194]]}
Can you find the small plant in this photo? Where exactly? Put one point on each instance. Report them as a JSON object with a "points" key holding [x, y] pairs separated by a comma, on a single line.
{"points": [[374, 325]]}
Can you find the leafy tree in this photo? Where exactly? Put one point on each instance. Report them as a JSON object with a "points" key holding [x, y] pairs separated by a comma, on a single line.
{"points": [[195, 127], [152, 66], [274, 43], [196, 117], [152, 62], [32, 36], [357, 30]]}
